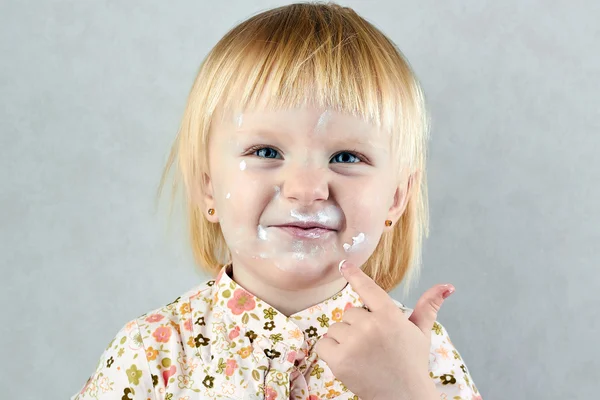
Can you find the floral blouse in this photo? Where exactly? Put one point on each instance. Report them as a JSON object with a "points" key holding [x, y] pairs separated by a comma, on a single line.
{"points": [[218, 341]]}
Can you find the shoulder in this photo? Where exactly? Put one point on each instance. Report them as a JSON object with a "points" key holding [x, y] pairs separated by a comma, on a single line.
{"points": [[170, 326], [143, 357], [447, 368], [446, 365], [176, 311]]}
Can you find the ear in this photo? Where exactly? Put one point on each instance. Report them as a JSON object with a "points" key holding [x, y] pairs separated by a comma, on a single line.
{"points": [[401, 197], [205, 197]]}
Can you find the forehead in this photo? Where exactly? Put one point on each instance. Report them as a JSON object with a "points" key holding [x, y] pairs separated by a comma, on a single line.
{"points": [[311, 121]]}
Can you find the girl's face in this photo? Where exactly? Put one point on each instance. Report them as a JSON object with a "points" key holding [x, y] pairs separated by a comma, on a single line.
{"points": [[297, 191]]}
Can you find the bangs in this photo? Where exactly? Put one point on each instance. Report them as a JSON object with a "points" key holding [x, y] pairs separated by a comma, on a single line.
{"points": [[323, 56]]}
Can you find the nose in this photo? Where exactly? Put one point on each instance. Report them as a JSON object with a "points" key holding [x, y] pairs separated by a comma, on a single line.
{"points": [[305, 185]]}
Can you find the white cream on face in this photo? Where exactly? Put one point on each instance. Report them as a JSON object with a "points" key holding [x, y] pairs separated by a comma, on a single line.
{"points": [[356, 241], [262, 233], [330, 215], [322, 123], [262, 191]]}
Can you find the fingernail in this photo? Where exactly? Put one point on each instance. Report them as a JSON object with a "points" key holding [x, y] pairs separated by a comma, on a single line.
{"points": [[449, 291], [340, 265]]}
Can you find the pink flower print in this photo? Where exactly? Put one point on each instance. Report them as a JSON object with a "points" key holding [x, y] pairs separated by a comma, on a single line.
{"points": [[235, 332], [291, 356], [314, 397], [154, 318], [241, 301], [162, 334], [168, 373], [188, 325], [348, 305], [231, 366], [270, 394]]}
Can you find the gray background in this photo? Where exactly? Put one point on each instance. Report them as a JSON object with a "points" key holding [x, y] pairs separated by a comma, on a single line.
{"points": [[92, 94]]}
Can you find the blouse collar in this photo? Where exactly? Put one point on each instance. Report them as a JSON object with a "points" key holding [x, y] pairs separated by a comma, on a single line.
{"points": [[263, 327], [312, 321]]}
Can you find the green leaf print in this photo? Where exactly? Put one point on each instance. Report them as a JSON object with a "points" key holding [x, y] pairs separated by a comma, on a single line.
{"points": [[221, 366], [255, 316], [255, 375], [226, 294], [245, 318]]}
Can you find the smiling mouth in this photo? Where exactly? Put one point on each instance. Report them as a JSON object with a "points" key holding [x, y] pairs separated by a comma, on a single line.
{"points": [[314, 232]]}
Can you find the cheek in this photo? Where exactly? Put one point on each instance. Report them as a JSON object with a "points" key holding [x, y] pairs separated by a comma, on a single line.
{"points": [[240, 199], [365, 213], [365, 203]]}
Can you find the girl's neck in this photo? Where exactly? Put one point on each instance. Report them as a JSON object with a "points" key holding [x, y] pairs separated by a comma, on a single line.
{"points": [[287, 301]]}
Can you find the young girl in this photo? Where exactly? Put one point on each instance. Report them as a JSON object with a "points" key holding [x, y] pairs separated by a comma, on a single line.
{"points": [[303, 144]]}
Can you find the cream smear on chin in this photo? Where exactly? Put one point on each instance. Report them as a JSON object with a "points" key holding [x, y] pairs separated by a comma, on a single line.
{"points": [[304, 258]]}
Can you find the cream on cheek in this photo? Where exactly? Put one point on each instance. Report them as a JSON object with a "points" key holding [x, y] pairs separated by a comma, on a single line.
{"points": [[356, 242]]}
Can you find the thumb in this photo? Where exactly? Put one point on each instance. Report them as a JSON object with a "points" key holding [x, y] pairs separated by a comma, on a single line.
{"points": [[425, 312]]}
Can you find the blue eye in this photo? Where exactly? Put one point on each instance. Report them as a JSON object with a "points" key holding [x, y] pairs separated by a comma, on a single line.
{"points": [[267, 152], [345, 157]]}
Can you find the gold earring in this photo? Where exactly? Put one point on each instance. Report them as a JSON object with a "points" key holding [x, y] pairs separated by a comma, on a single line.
{"points": [[211, 211], [388, 222]]}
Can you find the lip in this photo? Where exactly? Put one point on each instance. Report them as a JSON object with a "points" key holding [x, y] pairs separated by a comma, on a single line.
{"points": [[314, 232]]}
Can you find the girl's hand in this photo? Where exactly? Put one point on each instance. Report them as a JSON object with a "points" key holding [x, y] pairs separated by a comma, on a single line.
{"points": [[380, 354]]}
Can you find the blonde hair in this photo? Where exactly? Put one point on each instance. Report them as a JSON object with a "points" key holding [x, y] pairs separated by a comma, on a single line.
{"points": [[320, 54]]}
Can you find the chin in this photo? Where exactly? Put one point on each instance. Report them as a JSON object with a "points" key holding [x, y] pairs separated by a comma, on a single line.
{"points": [[302, 268]]}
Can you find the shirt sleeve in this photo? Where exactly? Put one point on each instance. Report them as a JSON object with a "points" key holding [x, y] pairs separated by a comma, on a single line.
{"points": [[123, 371], [447, 368]]}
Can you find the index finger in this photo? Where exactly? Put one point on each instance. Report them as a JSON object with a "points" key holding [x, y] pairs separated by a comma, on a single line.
{"points": [[372, 295]]}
